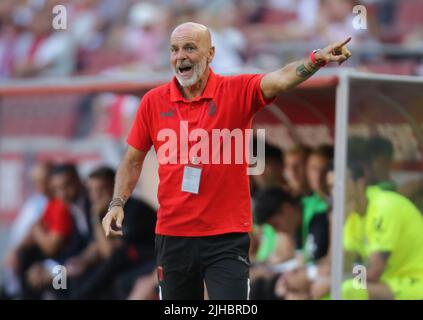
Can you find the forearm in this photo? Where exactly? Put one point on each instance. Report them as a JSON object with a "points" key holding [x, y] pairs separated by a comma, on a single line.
{"points": [[376, 265], [127, 177], [287, 77], [296, 72], [293, 74]]}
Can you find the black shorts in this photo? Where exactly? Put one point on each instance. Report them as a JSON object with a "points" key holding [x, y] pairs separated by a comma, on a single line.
{"points": [[184, 264]]}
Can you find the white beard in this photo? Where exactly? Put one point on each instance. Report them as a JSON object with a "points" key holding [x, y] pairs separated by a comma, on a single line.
{"points": [[198, 69]]}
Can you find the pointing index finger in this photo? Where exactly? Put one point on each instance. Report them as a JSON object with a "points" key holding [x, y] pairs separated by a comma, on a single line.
{"points": [[343, 43]]}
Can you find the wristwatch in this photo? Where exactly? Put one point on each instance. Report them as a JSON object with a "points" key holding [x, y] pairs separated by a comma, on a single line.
{"points": [[116, 202]]}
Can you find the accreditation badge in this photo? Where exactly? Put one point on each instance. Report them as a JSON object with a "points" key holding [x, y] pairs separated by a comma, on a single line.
{"points": [[191, 179]]}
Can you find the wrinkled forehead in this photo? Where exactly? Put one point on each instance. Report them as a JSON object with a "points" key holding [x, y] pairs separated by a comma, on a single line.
{"points": [[179, 38]]}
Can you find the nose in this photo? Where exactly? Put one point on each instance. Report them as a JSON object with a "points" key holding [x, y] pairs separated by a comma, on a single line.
{"points": [[180, 56]]}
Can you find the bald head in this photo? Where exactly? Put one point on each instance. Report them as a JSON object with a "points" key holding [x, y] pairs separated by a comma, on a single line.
{"points": [[193, 30], [191, 53]]}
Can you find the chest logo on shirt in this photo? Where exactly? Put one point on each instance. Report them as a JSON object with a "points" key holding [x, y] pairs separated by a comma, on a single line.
{"points": [[211, 108], [169, 113]]}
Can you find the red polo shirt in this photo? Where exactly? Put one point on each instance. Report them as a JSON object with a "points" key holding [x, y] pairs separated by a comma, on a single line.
{"points": [[223, 203]]}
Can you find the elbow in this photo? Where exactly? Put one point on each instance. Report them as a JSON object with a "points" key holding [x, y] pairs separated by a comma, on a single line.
{"points": [[276, 89]]}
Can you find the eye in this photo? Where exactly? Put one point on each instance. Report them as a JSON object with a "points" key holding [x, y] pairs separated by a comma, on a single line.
{"points": [[190, 49]]}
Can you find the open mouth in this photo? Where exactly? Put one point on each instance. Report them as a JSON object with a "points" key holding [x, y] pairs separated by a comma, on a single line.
{"points": [[184, 70]]}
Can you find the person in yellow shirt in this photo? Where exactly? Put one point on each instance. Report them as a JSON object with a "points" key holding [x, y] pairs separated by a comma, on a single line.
{"points": [[386, 232]]}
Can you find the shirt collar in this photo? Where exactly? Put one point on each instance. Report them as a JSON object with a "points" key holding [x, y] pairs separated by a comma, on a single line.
{"points": [[208, 93]]}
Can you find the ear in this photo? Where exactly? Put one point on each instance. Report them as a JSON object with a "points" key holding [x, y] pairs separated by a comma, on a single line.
{"points": [[210, 55]]}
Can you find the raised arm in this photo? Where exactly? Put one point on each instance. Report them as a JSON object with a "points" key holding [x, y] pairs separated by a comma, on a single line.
{"points": [[126, 178], [296, 72]]}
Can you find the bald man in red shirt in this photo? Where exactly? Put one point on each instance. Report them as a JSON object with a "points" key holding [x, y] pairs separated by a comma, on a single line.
{"points": [[205, 214]]}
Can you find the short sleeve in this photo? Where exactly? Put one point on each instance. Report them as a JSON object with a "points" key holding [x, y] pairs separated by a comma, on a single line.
{"points": [[139, 135], [247, 88], [383, 230], [254, 93]]}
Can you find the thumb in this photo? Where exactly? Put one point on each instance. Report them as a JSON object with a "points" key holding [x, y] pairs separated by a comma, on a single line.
{"points": [[119, 220], [338, 59]]}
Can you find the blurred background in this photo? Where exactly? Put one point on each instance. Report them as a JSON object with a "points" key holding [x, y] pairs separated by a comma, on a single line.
{"points": [[68, 98]]}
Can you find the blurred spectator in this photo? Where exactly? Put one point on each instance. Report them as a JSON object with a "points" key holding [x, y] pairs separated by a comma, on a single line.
{"points": [[272, 207], [34, 206], [310, 20], [336, 20], [8, 38], [65, 218], [315, 228], [87, 23], [273, 169], [273, 247], [312, 226], [267, 245], [315, 206], [381, 156], [47, 241], [385, 11], [105, 33], [393, 257], [318, 164], [67, 185], [43, 51], [30, 213], [108, 268], [371, 234], [293, 20], [295, 160], [284, 214], [146, 34], [230, 43], [113, 114]]}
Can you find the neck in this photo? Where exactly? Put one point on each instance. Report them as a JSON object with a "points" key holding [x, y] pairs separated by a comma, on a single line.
{"points": [[196, 89]]}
